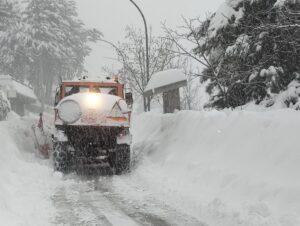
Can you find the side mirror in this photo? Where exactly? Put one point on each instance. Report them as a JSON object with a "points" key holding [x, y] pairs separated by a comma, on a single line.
{"points": [[129, 99]]}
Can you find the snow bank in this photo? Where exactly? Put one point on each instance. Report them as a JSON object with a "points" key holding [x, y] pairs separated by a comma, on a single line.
{"points": [[26, 183], [227, 168]]}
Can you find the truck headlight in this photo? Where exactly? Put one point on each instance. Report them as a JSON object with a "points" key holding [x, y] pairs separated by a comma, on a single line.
{"points": [[69, 111], [92, 100]]}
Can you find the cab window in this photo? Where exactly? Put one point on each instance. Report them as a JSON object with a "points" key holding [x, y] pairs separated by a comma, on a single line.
{"points": [[109, 90], [69, 90]]}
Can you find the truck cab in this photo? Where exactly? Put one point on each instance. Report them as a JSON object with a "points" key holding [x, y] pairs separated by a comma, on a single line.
{"points": [[94, 117]]}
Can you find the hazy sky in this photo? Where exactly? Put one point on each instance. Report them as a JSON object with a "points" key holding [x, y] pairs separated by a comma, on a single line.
{"points": [[112, 16]]}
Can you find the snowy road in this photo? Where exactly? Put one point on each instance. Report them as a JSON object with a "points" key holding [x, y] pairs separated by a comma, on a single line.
{"points": [[97, 201], [169, 184]]}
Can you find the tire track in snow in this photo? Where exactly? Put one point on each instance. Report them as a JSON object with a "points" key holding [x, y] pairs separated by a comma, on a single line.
{"points": [[96, 202], [64, 208], [147, 211], [80, 205]]}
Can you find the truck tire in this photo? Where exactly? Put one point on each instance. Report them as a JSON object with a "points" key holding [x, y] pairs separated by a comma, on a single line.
{"points": [[122, 158], [61, 157]]}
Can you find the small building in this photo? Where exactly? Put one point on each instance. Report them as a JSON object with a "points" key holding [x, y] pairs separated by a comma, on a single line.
{"points": [[21, 96], [168, 83]]}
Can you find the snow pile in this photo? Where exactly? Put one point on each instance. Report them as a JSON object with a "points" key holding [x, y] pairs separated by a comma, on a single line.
{"points": [[289, 98], [227, 168], [26, 183]]}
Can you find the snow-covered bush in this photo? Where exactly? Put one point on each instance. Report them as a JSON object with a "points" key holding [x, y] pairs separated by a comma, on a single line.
{"points": [[289, 98], [4, 106]]}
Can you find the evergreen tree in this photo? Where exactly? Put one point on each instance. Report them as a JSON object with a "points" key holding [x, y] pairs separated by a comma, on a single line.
{"points": [[56, 42], [10, 30], [254, 55]]}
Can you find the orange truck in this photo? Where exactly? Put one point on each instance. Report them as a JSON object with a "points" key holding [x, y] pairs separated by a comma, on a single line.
{"points": [[92, 122]]}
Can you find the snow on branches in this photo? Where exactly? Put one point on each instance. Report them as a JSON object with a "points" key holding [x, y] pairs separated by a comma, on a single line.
{"points": [[251, 49], [43, 42]]}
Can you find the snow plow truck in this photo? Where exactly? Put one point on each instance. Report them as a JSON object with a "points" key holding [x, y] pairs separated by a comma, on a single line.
{"points": [[92, 120]]}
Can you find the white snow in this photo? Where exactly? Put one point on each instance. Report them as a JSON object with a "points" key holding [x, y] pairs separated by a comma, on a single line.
{"points": [[27, 183], [223, 14], [164, 78], [271, 71], [24, 90], [280, 3], [240, 47], [253, 76], [226, 168], [288, 98], [11, 87]]}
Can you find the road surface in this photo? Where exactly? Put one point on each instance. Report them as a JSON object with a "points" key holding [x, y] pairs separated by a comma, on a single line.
{"points": [[96, 201]]}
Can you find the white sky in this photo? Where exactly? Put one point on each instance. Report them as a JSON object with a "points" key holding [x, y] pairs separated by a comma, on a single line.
{"points": [[112, 16]]}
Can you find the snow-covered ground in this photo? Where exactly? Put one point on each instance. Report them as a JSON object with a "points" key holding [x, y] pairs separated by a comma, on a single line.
{"points": [[31, 193], [227, 168], [189, 168], [25, 188]]}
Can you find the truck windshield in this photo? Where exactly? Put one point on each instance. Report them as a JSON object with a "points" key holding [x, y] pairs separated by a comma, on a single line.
{"points": [[69, 90]]}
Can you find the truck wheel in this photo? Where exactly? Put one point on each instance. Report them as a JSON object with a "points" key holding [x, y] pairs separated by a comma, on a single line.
{"points": [[122, 164], [60, 157]]}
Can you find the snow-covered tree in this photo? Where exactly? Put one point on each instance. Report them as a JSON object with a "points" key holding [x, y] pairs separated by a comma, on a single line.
{"points": [[131, 54], [10, 28], [8, 14], [250, 50], [43, 43], [56, 42]]}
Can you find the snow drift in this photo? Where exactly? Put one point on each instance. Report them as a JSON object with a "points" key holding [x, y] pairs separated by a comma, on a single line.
{"points": [[26, 182], [227, 168]]}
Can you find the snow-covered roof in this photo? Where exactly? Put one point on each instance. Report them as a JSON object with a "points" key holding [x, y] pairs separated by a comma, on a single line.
{"points": [[24, 90], [165, 78], [12, 87]]}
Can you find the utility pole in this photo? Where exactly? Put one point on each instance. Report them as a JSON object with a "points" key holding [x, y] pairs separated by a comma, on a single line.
{"points": [[146, 100]]}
